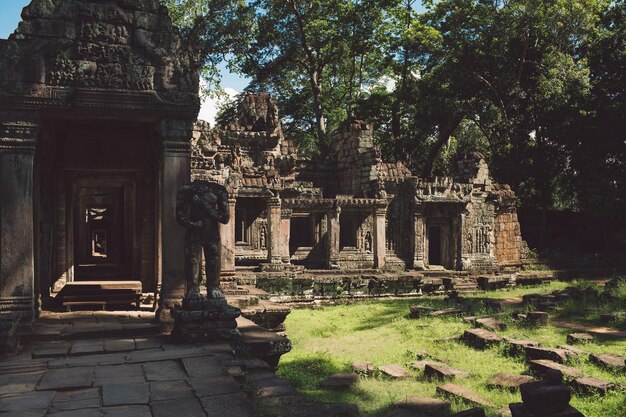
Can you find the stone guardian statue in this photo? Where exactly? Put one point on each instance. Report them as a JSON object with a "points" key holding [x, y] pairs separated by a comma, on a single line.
{"points": [[200, 207]]}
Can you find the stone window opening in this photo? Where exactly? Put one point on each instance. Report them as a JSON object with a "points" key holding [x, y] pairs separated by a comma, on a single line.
{"points": [[348, 229], [300, 233], [242, 227]]}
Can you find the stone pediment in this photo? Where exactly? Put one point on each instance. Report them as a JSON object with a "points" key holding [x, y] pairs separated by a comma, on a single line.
{"points": [[98, 53]]}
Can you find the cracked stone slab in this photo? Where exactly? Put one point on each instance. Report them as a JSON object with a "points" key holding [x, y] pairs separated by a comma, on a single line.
{"points": [[125, 394], [127, 411], [204, 366], [39, 400], [19, 383], [228, 405], [169, 390], [214, 385], [164, 371], [187, 407], [76, 399], [67, 378], [85, 412]]}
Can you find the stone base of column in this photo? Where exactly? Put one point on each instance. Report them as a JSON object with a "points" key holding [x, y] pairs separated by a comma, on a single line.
{"points": [[202, 320], [23, 306], [9, 335]]}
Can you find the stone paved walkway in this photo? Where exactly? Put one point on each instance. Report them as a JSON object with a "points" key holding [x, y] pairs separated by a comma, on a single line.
{"points": [[78, 375]]}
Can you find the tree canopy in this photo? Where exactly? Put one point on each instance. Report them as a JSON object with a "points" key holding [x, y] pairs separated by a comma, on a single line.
{"points": [[537, 86]]}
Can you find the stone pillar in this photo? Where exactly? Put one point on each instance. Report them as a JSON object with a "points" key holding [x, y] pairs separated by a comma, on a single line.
{"points": [[18, 136], [175, 171], [333, 237], [419, 236], [380, 243], [274, 252], [285, 235], [227, 234]]}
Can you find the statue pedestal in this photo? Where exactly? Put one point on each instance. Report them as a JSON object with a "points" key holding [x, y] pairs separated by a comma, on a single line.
{"points": [[202, 320]]}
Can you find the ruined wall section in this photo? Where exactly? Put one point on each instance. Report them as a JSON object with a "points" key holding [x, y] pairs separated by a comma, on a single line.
{"points": [[509, 247], [357, 158]]}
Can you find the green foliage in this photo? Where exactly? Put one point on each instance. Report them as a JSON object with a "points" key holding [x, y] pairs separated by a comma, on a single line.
{"points": [[537, 86]]}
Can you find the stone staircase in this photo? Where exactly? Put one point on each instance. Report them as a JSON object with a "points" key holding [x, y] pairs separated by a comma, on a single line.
{"points": [[255, 306]]}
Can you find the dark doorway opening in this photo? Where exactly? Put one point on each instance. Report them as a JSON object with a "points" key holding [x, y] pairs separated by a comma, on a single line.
{"points": [[300, 235], [103, 230], [434, 245]]}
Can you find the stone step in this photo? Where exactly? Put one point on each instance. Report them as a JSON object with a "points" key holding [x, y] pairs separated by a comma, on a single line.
{"points": [[462, 394], [256, 342], [267, 314], [243, 301]]}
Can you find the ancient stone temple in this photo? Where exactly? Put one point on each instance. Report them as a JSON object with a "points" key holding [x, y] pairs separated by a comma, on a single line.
{"points": [[98, 130], [97, 105], [352, 210]]}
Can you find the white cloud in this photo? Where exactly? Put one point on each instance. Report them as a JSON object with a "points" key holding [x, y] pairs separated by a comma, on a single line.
{"points": [[211, 105]]}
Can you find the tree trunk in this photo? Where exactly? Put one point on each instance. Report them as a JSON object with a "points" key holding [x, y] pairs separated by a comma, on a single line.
{"points": [[445, 131], [318, 109]]}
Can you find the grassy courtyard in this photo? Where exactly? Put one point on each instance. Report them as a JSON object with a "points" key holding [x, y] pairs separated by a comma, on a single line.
{"points": [[328, 340]]}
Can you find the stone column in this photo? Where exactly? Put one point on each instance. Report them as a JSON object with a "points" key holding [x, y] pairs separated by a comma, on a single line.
{"points": [[285, 235], [274, 252], [175, 171], [227, 234], [380, 246], [419, 236], [18, 136], [333, 237]]}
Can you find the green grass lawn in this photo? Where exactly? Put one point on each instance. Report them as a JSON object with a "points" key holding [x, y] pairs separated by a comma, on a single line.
{"points": [[329, 339]]}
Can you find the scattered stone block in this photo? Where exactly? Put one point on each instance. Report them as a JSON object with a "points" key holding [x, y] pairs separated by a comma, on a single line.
{"points": [[425, 405], [593, 386], [448, 312], [481, 338], [472, 412], [491, 323], [463, 394], [509, 381], [443, 372], [362, 367], [555, 355], [542, 366], [574, 338], [341, 380], [519, 410], [609, 361], [420, 311], [516, 347], [394, 371], [572, 351], [537, 318], [470, 319], [421, 364]]}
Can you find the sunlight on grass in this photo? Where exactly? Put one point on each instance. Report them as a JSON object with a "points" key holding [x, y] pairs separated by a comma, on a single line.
{"points": [[329, 339]]}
